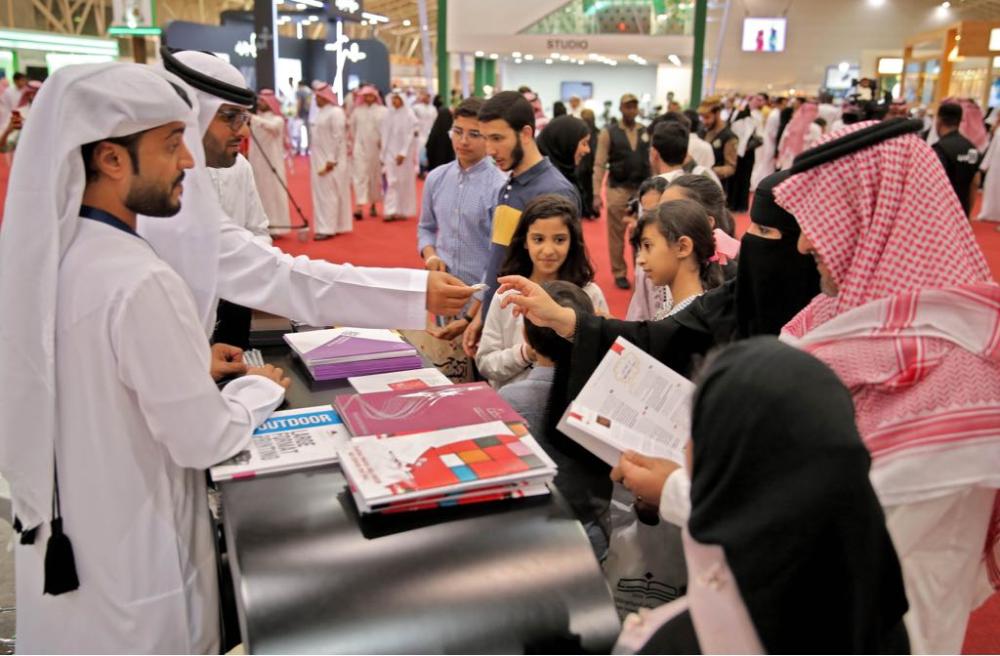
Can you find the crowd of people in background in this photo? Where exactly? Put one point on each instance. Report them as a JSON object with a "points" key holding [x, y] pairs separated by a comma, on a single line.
{"points": [[844, 477]]}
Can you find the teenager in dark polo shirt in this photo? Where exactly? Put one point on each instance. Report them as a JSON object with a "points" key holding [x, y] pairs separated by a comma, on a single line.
{"points": [[507, 121], [958, 155]]}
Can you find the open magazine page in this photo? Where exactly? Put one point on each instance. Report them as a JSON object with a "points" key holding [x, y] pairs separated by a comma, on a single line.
{"points": [[631, 402]]}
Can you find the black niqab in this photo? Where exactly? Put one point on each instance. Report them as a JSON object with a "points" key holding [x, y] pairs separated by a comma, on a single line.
{"points": [[780, 481], [773, 280]]}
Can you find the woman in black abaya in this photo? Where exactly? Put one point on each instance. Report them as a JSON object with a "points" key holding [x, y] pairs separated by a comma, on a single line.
{"points": [[565, 141], [786, 546]]}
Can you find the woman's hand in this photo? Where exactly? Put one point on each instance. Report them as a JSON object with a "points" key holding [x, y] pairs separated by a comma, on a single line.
{"points": [[531, 302], [644, 476]]}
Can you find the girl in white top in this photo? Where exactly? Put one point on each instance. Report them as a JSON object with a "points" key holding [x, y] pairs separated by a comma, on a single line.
{"points": [[677, 249], [547, 245]]}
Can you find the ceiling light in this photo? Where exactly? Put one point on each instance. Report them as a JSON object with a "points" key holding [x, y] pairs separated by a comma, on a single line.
{"points": [[876, 3], [843, 67], [548, 61], [494, 55], [374, 18], [529, 57], [518, 60], [674, 59], [554, 55], [364, 22], [515, 54], [407, 22], [580, 62], [480, 53]]}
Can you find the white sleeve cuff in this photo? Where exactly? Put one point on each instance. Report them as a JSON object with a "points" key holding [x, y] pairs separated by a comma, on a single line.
{"points": [[675, 499], [259, 395]]}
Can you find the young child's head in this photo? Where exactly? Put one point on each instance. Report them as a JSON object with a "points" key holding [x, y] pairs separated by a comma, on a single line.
{"points": [[546, 342], [548, 243], [704, 190], [645, 201], [677, 237]]}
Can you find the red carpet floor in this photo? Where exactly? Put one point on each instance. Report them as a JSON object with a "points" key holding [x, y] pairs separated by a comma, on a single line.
{"points": [[374, 243]]}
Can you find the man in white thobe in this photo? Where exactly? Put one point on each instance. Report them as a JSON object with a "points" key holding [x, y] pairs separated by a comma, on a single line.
{"points": [[238, 195], [105, 378], [766, 158], [267, 159], [221, 259], [400, 130], [366, 134], [11, 96], [990, 210], [330, 169], [426, 114]]}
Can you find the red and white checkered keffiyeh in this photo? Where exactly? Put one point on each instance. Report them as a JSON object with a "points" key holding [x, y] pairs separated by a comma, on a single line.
{"points": [[914, 331]]}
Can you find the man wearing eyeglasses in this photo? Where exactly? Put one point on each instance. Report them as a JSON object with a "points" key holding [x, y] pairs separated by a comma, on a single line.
{"points": [[219, 259], [455, 224], [232, 173]]}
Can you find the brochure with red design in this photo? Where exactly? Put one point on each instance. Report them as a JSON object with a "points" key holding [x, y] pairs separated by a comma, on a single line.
{"points": [[632, 402], [415, 411], [384, 472], [417, 379]]}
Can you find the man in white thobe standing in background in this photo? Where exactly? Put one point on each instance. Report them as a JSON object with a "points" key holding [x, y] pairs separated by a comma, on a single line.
{"points": [[267, 158], [366, 134], [331, 176], [426, 115], [400, 131], [109, 411]]}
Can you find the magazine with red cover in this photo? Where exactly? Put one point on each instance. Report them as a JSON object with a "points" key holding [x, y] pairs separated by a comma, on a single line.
{"points": [[415, 411]]}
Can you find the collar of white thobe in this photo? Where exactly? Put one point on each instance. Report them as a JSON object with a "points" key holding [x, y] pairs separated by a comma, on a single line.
{"points": [[94, 214]]}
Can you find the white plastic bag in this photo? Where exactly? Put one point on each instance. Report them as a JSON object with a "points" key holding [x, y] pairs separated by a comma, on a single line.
{"points": [[645, 565]]}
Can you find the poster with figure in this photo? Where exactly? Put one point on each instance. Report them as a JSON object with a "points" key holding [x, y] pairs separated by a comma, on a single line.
{"points": [[133, 13]]}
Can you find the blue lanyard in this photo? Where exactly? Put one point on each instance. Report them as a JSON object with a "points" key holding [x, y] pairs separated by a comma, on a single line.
{"points": [[88, 212]]}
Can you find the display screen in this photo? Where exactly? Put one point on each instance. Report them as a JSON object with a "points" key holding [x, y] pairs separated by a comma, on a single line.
{"points": [[764, 34], [583, 89]]}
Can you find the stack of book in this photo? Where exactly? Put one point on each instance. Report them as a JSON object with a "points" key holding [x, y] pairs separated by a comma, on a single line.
{"points": [[430, 447], [449, 467], [342, 352]]}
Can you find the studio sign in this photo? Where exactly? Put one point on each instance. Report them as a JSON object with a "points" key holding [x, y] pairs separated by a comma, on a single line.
{"points": [[558, 45]]}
